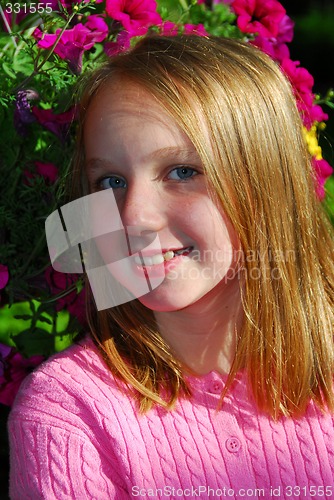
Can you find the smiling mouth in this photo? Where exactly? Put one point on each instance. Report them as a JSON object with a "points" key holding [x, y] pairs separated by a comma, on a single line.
{"points": [[160, 258]]}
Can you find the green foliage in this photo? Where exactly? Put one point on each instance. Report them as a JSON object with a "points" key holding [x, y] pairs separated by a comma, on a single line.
{"points": [[33, 329]]}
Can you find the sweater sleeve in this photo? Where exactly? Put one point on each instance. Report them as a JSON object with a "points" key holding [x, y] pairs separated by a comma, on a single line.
{"points": [[48, 462], [59, 448]]}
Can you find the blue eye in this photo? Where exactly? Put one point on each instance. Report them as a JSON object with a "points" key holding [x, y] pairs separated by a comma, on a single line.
{"points": [[112, 182], [182, 173]]}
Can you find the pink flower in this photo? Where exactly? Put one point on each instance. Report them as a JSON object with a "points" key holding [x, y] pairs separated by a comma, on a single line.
{"points": [[276, 48], [135, 15], [301, 79], [73, 42], [276, 51], [285, 30], [121, 44], [322, 171], [302, 82], [57, 123], [168, 28], [4, 276], [195, 29], [316, 114], [259, 16], [47, 170], [15, 369], [74, 302]]}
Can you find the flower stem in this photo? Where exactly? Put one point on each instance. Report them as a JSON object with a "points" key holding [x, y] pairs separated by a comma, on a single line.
{"points": [[38, 67]]}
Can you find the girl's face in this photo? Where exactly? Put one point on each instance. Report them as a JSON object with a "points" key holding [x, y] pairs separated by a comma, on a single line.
{"points": [[135, 148]]}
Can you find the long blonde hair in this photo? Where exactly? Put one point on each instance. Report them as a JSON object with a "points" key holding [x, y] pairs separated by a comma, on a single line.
{"points": [[260, 172]]}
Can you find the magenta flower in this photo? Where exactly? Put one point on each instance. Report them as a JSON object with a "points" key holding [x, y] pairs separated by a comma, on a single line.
{"points": [[74, 302], [121, 44], [322, 171], [168, 28], [195, 29], [74, 42], [302, 82], [276, 51], [47, 170], [4, 276], [135, 15], [57, 123], [259, 16], [276, 48], [285, 30], [316, 114]]}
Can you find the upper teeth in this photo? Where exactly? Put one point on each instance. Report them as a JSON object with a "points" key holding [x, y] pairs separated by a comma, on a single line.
{"points": [[154, 259], [159, 258]]}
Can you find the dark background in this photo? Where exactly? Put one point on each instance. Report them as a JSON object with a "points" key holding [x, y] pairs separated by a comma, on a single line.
{"points": [[313, 46]]}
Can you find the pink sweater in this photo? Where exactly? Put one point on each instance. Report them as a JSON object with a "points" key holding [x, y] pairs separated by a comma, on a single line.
{"points": [[76, 435]]}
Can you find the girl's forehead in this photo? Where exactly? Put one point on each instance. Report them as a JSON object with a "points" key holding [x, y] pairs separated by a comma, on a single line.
{"points": [[124, 94]]}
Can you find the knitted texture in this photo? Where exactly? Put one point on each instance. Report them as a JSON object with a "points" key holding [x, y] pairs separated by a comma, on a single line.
{"points": [[76, 434]]}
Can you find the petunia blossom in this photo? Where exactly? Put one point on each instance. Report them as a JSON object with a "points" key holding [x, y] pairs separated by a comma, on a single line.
{"points": [[48, 171], [74, 42], [285, 30], [322, 171], [136, 16], [168, 28], [4, 276], [57, 123], [276, 47], [302, 82], [259, 16], [195, 29], [121, 44]]}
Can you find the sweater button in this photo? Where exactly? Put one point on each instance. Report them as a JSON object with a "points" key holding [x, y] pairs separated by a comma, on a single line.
{"points": [[233, 445], [216, 387]]}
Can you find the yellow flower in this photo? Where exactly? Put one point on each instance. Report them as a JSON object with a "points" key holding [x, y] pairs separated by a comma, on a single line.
{"points": [[312, 141]]}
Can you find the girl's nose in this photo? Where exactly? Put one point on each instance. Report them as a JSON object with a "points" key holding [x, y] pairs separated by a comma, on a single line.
{"points": [[144, 207]]}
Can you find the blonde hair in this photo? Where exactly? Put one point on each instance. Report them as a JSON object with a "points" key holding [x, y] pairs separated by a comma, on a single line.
{"points": [[260, 172]]}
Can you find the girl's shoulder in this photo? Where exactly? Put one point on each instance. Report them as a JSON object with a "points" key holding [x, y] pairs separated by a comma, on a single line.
{"points": [[70, 388]]}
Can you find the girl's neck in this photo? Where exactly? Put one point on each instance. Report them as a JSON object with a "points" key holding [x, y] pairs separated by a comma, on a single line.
{"points": [[204, 335]]}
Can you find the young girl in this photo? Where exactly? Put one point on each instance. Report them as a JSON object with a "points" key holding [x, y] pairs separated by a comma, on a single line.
{"points": [[219, 381]]}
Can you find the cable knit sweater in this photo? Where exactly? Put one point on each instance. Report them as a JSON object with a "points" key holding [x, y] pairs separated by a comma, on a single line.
{"points": [[76, 434]]}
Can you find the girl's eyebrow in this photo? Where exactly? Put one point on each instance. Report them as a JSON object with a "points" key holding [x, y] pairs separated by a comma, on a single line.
{"points": [[183, 154], [97, 164], [186, 154]]}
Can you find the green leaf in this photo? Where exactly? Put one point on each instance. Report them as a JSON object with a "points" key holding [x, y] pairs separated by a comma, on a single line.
{"points": [[7, 69], [27, 326]]}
